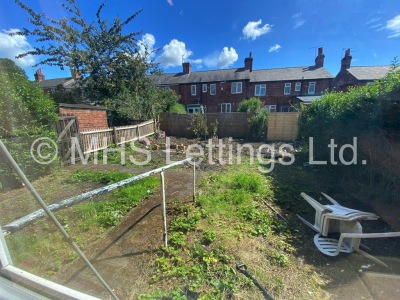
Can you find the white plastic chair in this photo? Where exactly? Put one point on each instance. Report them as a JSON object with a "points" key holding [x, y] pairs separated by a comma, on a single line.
{"points": [[325, 213], [349, 241]]}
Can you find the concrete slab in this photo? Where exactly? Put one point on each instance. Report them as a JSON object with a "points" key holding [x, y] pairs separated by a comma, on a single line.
{"points": [[383, 286]]}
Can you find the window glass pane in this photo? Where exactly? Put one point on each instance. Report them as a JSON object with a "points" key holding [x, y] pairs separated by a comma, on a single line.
{"points": [[212, 89], [233, 89], [311, 88], [193, 90], [298, 86], [239, 87], [257, 90], [287, 88], [262, 92], [204, 88]]}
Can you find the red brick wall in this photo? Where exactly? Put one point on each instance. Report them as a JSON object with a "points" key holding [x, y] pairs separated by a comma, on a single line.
{"points": [[343, 80], [274, 93], [88, 119], [211, 101]]}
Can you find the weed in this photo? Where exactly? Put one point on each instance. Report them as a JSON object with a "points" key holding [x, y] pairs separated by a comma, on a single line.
{"points": [[209, 237]]}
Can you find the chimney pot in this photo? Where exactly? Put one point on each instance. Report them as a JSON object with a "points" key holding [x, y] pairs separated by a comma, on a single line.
{"points": [[248, 63], [187, 68], [346, 60], [319, 60], [39, 75]]}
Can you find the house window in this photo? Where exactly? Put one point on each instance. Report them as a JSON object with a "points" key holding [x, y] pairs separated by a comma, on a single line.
{"points": [[298, 87], [225, 107], [236, 87], [204, 88], [193, 90], [287, 88], [83, 94], [53, 90], [166, 88], [213, 89], [260, 90], [311, 88], [285, 109], [271, 108]]}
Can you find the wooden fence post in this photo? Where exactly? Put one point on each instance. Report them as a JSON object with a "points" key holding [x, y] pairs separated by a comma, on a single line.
{"points": [[115, 136]]}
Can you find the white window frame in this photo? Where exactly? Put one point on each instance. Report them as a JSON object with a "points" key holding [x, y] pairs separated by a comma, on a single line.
{"points": [[235, 88], [211, 89], [283, 109], [297, 87], [287, 85], [271, 107], [310, 85], [226, 105], [261, 86], [204, 88], [191, 90]]}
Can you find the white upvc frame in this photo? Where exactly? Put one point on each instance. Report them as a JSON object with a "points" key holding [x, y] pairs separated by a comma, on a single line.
{"points": [[213, 89], [235, 88], [285, 109], [193, 90], [311, 88], [225, 106], [271, 107], [204, 86], [287, 85], [261, 87], [297, 87]]}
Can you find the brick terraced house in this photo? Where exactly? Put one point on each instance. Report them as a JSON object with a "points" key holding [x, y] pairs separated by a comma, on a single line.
{"points": [[356, 76], [281, 89]]}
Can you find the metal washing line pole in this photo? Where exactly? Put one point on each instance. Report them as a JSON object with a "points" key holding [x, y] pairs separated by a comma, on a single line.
{"points": [[45, 208]]}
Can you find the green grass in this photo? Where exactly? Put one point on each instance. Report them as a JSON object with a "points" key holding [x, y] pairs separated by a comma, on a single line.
{"points": [[127, 197]]}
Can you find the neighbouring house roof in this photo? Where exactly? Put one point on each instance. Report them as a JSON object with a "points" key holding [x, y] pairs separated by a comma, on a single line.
{"points": [[81, 106], [308, 99], [281, 74], [51, 83], [369, 73], [292, 73]]}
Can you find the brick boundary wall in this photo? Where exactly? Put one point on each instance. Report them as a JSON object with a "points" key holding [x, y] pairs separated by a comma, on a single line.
{"points": [[89, 117]]}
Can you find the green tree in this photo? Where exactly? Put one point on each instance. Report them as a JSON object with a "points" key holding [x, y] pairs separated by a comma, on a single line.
{"points": [[61, 95], [26, 113], [259, 120], [108, 60]]}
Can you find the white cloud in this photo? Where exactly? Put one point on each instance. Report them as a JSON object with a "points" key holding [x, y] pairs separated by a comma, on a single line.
{"points": [[181, 13], [146, 44], [11, 46], [376, 56], [275, 48], [394, 26], [173, 54], [375, 26], [253, 31], [170, 2], [221, 60], [372, 21], [298, 20]]}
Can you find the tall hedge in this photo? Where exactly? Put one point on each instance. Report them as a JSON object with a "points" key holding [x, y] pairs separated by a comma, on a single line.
{"points": [[371, 114], [26, 114]]}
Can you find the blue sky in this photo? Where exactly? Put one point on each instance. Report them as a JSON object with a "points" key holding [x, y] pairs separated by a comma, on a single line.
{"points": [[220, 34]]}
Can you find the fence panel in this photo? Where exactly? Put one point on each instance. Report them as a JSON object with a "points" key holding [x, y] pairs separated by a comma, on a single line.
{"points": [[283, 126], [99, 139]]}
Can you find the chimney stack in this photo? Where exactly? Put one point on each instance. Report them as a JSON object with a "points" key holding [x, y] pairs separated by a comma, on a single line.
{"points": [[319, 60], [346, 60], [248, 63], [75, 74], [187, 68], [39, 75]]}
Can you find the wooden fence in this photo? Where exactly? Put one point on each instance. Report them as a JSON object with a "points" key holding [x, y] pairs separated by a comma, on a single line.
{"points": [[281, 126], [98, 139]]}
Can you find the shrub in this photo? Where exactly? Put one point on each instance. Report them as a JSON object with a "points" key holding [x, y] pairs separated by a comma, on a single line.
{"points": [[259, 119], [177, 108], [26, 114]]}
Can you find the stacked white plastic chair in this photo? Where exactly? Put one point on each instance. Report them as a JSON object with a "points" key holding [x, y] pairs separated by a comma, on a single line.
{"points": [[337, 218]]}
